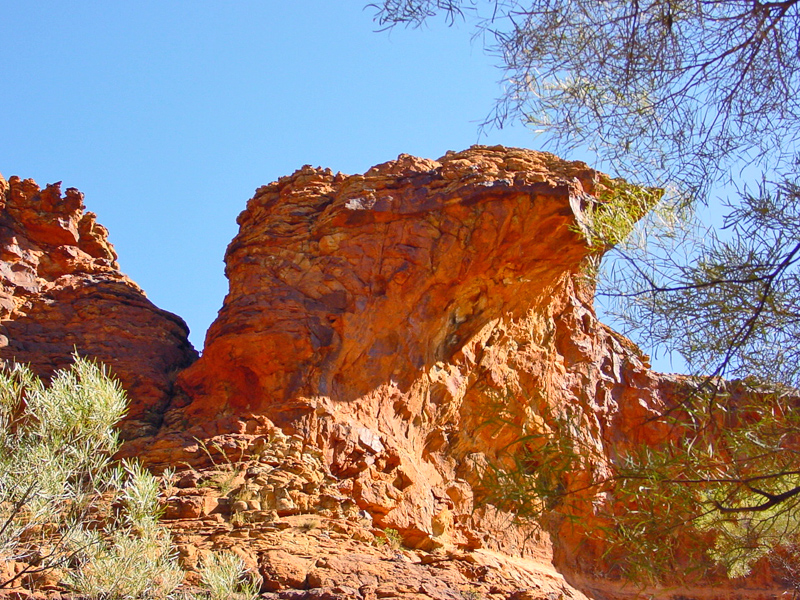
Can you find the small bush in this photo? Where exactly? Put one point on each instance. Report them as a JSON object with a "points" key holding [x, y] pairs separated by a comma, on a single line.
{"points": [[310, 524], [58, 484], [225, 577], [132, 557], [393, 538]]}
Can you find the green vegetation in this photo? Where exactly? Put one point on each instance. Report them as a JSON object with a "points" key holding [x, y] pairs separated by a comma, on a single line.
{"points": [[58, 485], [225, 577], [733, 477], [132, 556], [725, 471], [227, 472], [393, 538], [468, 594], [67, 508], [615, 217], [56, 444]]}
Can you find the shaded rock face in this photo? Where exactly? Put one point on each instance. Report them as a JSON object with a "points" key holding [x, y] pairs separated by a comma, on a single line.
{"points": [[61, 291]]}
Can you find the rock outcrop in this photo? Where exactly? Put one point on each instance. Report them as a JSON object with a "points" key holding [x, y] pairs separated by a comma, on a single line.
{"points": [[374, 315], [61, 292], [385, 339], [411, 324], [289, 521]]}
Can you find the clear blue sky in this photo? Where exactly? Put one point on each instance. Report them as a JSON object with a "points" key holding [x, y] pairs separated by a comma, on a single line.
{"points": [[168, 115]]}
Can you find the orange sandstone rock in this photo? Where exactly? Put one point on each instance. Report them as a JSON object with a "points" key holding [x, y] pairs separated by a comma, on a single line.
{"points": [[61, 291], [386, 336], [380, 316], [386, 321]]}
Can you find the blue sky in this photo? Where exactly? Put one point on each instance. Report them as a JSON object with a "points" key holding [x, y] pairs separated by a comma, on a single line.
{"points": [[168, 115]]}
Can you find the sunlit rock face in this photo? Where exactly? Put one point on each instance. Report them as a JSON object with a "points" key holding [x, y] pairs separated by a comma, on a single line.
{"points": [[386, 336], [384, 317], [341, 285], [61, 291], [409, 325]]}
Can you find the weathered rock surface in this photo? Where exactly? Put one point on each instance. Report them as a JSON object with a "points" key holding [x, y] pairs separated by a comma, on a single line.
{"points": [[412, 322], [61, 291], [380, 316], [386, 336], [309, 540]]}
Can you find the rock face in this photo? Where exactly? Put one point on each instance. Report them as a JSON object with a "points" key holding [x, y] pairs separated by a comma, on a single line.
{"points": [[342, 285], [386, 337], [390, 318], [61, 291], [375, 315], [290, 522], [411, 323]]}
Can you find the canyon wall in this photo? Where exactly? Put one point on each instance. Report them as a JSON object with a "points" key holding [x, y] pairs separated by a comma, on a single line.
{"points": [[61, 291], [412, 324], [393, 334]]}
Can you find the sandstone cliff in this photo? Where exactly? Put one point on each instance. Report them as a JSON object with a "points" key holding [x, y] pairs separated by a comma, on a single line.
{"points": [[382, 316], [386, 336], [386, 321], [61, 291]]}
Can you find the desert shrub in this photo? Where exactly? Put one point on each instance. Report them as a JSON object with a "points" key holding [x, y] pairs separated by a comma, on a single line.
{"points": [[393, 538], [59, 486], [132, 556], [225, 577]]}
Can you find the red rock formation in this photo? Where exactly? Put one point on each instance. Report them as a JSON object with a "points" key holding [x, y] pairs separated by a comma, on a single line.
{"points": [[61, 291], [386, 336], [385, 317], [342, 285], [388, 320]]}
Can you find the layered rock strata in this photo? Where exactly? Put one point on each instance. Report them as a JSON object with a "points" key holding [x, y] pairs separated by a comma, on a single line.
{"points": [[61, 291], [293, 525]]}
